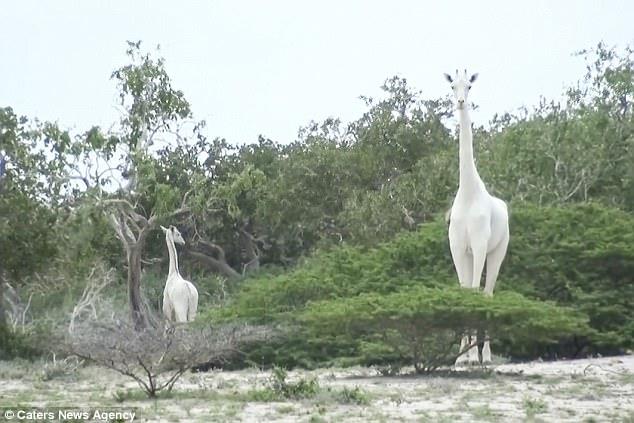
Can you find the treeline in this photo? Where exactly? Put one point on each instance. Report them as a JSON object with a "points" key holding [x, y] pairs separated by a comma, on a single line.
{"points": [[70, 200]]}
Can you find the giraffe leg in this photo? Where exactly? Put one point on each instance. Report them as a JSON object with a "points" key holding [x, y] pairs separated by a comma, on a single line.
{"points": [[479, 242], [479, 257], [464, 266], [486, 350], [494, 262], [463, 261], [472, 355], [463, 358]]}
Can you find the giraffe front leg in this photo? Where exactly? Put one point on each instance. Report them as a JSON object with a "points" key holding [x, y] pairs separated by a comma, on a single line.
{"points": [[463, 358], [473, 356], [469, 350], [486, 351]]}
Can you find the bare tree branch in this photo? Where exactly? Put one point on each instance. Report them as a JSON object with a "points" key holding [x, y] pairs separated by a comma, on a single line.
{"points": [[154, 357]]}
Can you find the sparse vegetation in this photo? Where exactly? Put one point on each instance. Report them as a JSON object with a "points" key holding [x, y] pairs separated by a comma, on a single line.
{"points": [[352, 396], [534, 406]]}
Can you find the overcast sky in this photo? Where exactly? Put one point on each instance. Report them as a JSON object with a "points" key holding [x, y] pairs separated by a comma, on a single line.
{"points": [[269, 67]]}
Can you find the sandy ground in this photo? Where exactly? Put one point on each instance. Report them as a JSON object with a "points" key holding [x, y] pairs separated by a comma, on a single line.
{"points": [[590, 390]]}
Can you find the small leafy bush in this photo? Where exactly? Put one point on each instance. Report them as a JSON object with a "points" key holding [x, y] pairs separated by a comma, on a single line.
{"points": [[352, 396], [279, 388], [303, 388]]}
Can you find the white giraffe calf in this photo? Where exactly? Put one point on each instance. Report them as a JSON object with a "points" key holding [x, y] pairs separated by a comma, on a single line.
{"points": [[180, 297]]}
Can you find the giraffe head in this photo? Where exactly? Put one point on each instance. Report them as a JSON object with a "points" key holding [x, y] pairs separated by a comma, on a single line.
{"points": [[174, 233], [461, 84]]}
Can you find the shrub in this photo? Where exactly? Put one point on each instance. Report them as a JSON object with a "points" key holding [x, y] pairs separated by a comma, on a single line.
{"points": [[155, 357], [278, 388], [352, 396], [303, 388], [578, 256], [410, 259], [421, 326], [14, 344]]}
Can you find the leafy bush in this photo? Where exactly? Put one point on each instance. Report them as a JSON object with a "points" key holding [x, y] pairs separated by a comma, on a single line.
{"points": [[580, 256], [14, 344], [352, 396], [303, 388], [422, 326], [410, 259], [577, 256], [278, 388]]}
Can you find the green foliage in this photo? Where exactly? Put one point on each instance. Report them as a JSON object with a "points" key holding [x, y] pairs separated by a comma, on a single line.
{"points": [[14, 344], [146, 93], [303, 388], [352, 396], [30, 183], [421, 326], [348, 271], [581, 256], [400, 299], [534, 406], [279, 388], [577, 151]]}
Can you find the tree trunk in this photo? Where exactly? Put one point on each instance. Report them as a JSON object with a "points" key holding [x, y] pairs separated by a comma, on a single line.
{"points": [[248, 244], [134, 288]]}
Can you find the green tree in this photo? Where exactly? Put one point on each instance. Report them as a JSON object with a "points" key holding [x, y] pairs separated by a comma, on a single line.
{"points": [[31, 204]]}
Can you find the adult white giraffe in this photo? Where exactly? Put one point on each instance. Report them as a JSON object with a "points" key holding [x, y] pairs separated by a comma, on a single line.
{"points": [[180, 297], [479, 222]]}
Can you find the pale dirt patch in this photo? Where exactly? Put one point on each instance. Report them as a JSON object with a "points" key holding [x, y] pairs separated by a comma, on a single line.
{"points": [[570, 391]]}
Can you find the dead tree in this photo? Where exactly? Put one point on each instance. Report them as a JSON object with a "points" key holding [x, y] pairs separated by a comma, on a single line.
{"points": [[15, 311], [98, 279], [154, 357]]}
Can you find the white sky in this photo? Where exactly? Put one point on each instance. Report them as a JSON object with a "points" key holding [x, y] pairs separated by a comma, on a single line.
{"points": [[269, 67]]}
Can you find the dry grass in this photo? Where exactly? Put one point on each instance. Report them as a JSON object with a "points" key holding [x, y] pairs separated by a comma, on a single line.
{"points": [[582, 390]]}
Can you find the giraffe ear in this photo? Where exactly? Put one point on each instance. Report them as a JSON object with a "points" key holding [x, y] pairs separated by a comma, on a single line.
{"points": [[164, 228], [473, 78], [448, 77]]}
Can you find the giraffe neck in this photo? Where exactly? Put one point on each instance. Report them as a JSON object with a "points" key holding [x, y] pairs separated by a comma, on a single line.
{"points": [[171, 248], [469, 177]]}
